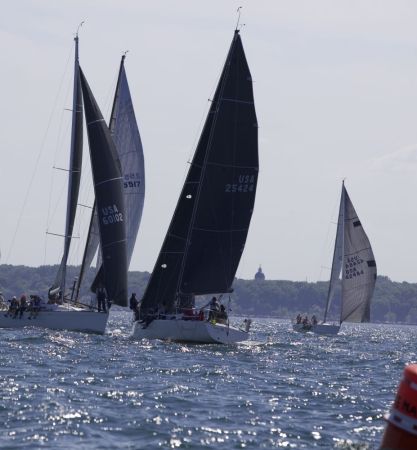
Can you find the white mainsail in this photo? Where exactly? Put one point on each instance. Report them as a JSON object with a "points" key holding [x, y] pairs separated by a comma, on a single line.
{"points": [[359, 268]]}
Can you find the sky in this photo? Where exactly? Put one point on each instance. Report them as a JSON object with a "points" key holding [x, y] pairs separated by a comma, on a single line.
{"points": [[335, 85]]}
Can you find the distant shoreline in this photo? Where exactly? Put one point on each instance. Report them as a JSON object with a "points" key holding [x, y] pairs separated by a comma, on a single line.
{"points": [[393, 302]]}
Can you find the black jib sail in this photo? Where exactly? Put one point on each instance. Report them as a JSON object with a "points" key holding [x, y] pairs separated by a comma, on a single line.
{"points": [[108, 189], [207, 234], [76, 156]]}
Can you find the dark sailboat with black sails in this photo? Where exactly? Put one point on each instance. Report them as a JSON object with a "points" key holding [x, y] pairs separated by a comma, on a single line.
{"points": [[60, 312], [207, 234]]}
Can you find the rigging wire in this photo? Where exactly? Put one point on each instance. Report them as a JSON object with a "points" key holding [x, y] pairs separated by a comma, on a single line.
{"points": [[40, 152], [59, 144], [327, 243]]}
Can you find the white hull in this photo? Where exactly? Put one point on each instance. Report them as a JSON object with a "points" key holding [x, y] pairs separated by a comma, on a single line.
{"points": [[198, 331], [320, 328], [62, 318]]}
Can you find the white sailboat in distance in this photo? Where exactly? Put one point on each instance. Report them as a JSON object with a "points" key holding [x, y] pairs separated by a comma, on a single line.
{"points": [[354, 260]]}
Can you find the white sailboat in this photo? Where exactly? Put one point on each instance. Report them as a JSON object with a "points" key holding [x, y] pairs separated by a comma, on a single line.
{"points": [[208, 231], [60, 312], [354, 260]]}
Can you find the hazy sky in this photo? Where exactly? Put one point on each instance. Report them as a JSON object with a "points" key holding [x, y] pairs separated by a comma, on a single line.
{"points": [[336, 97]]}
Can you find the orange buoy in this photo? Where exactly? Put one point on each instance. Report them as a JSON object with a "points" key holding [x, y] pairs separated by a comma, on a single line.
{"points": [[401, 430]]}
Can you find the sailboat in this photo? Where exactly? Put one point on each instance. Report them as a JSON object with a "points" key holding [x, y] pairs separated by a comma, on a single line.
{"points": [[354, 260], [60, 313], [207, 233]]}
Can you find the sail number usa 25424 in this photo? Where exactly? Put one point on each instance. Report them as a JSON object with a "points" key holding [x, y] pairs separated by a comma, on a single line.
{"points": [[246, 183], [111, 214]]}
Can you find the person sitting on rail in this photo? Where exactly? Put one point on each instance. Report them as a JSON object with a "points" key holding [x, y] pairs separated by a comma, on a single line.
{"points": [[134, 306], [214, 307], [222, 315], [14, 305], [35, 306], [22, 306]]}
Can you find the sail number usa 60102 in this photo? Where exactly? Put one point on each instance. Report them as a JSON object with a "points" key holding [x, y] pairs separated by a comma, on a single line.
{"points": [[110, 215]]}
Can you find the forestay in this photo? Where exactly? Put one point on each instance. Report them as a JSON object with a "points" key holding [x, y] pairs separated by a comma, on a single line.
{"points": [[337, 257], [207, 234], [359, 268]]}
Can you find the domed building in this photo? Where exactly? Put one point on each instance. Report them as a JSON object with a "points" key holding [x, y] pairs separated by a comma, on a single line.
{"points": [[259, 275]]}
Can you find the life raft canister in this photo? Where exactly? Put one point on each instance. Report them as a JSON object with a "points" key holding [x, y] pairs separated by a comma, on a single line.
{"points": [[401, 430]]}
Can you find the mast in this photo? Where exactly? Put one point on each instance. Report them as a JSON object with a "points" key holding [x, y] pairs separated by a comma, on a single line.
{"points": [[69, 225], [343, 243], [74, 176]]}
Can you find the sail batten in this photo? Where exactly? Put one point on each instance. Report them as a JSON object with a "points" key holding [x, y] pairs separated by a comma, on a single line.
{"points": [[206, 236]]}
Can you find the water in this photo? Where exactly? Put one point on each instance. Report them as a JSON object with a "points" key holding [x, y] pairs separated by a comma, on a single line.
{"points": [[66, 390]]}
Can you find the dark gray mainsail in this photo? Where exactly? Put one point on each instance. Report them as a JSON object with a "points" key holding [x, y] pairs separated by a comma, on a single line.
{"points": [[358, 270], [108, 188], [74, 176], [125, 133], [208, 231]]}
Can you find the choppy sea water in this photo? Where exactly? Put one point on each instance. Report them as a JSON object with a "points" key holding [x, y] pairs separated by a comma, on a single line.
{"points": [[67, 390]]}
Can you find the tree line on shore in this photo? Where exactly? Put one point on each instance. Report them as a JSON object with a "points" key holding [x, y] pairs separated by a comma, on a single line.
{"points": [[393, 302]]}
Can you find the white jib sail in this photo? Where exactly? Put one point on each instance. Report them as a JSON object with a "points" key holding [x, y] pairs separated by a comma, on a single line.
{"points": [[359, 268]]}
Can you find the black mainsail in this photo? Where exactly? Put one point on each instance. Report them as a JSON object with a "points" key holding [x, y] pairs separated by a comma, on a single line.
{"points": [[125, 133], [208, 231], [76, 156], [110, 206]]}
